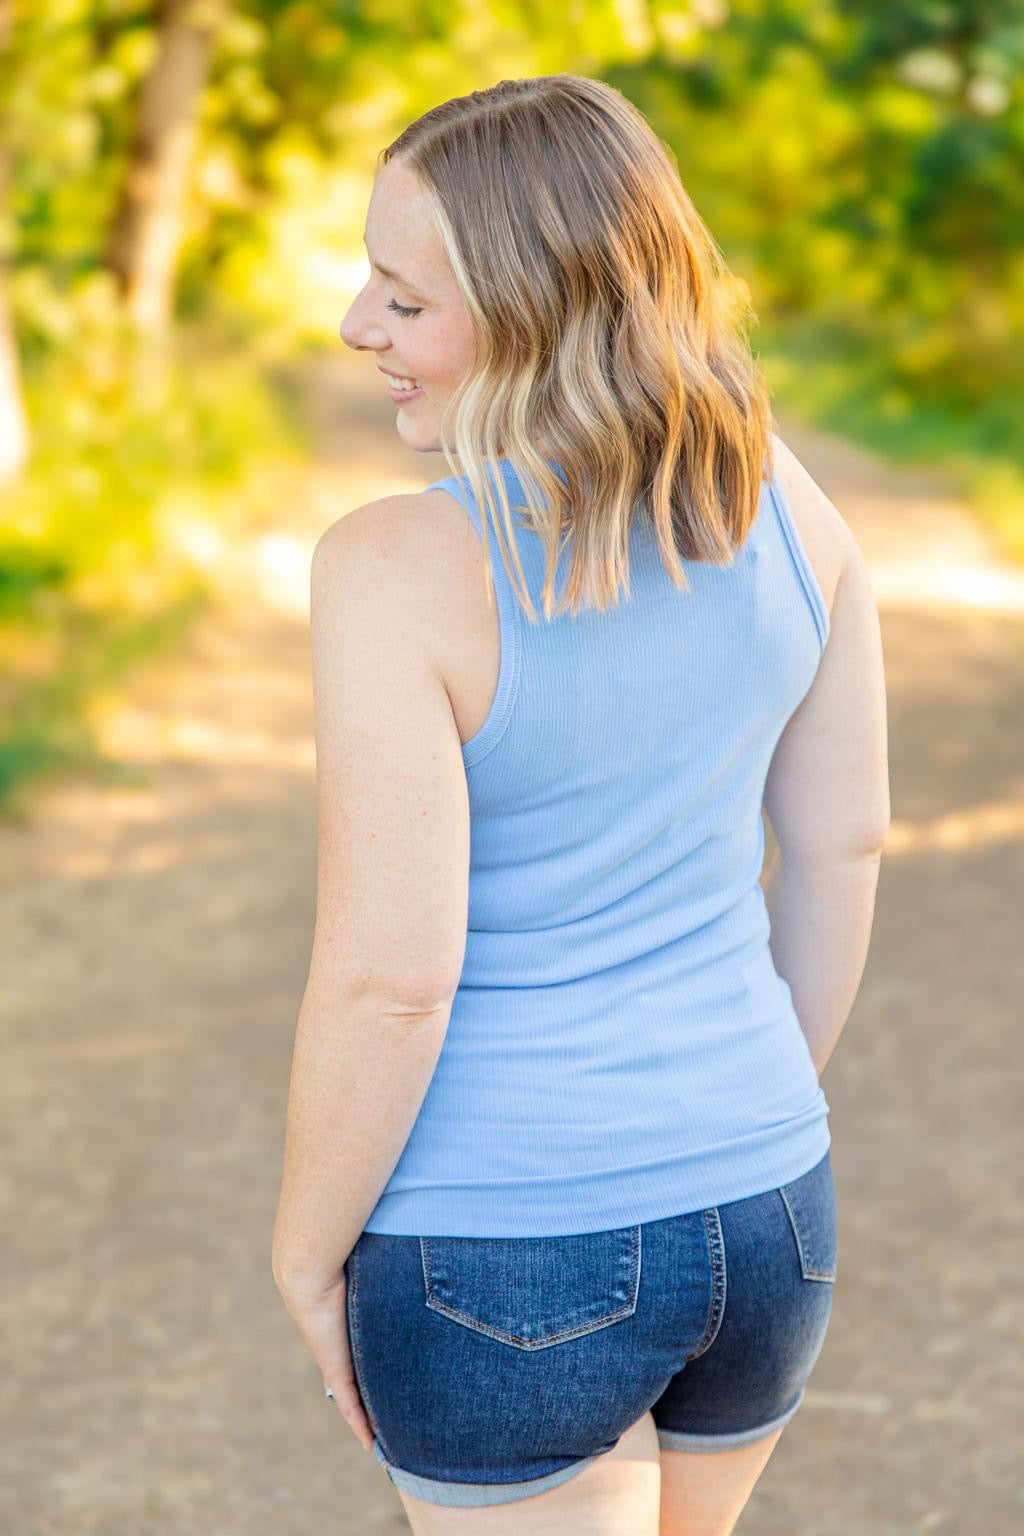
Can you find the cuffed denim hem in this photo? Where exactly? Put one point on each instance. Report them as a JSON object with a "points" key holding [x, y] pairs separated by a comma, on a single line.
{"points": [[671, 1440], [473, 1495]]}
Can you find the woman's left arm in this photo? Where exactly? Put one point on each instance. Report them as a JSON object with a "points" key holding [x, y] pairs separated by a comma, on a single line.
{"points": [[392, 888]]}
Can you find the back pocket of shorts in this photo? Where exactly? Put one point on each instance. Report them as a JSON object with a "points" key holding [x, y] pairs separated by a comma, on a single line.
{"points": [[532, 1292], [810, 1203]]}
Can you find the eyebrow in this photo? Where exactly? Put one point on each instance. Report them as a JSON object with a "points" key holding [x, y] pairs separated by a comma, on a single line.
{"points": [[396, 277]]}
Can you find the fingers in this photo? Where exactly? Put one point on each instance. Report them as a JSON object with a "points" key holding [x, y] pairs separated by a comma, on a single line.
{"points": [[349, 1405]]}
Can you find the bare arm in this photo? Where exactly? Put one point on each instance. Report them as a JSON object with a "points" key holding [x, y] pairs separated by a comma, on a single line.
{"points": [[392, 878], [827, 799]]}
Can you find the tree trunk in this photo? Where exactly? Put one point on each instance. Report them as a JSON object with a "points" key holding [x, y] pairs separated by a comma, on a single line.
{"points": [[147, 227], [14, 428]]}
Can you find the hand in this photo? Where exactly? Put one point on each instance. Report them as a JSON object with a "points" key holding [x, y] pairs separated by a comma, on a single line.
{"points": [[321, 1318]]}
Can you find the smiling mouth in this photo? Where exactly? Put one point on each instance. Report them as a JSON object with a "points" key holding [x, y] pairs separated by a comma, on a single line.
{"points": [[400, 380]]}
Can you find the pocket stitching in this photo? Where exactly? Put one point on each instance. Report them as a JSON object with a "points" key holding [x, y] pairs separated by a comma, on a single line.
{"points": [[806, 1270], [516, 1340], [716, 1308]]}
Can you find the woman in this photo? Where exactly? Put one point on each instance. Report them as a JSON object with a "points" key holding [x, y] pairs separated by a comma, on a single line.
{"points": [[557, 1214]]}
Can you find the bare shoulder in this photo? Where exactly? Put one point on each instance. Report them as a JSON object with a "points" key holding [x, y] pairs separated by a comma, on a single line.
{"points": [[404, 534], [405, 555], [825, 534], [393, 523]]}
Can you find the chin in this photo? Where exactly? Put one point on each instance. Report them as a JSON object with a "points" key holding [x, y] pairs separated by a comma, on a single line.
{"points": [[419, 442]]}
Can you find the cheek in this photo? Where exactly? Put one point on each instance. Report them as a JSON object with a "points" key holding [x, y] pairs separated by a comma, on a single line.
{"points": [[449, 357]]}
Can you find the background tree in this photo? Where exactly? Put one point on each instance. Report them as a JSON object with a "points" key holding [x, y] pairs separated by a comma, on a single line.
{"points": [[146, 231], [14, 428]]}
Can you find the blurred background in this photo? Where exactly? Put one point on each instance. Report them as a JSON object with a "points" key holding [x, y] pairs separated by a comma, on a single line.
{"points": [[183, 186], [182, 189]]}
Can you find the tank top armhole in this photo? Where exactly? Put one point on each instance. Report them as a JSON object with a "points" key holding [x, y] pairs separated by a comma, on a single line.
{"points": [[499, 714], [801, 563]]}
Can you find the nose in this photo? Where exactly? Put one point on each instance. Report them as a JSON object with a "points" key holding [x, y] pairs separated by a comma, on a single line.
{"points": [[360, 332]]}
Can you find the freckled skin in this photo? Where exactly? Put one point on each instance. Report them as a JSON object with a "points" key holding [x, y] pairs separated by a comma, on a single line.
{"points": [[434, 347]]}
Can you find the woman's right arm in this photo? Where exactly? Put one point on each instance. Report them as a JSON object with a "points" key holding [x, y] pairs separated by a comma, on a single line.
{"points": [[827, 799]]}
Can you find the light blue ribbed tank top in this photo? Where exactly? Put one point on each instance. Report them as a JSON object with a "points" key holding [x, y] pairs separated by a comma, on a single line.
{"points": [[621, 1047]]}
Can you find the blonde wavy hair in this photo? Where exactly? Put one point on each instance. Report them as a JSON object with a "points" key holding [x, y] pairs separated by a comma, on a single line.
{"points": [[607, 326]]}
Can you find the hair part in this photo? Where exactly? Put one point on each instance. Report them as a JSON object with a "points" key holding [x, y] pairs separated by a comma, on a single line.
{"points": [[607, 326]]}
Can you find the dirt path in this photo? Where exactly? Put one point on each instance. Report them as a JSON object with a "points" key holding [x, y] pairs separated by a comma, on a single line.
{"points": [[157, 944]]}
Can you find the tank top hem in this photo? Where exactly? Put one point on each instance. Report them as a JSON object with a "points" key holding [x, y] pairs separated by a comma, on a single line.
{"points": [[623, 1197], [493, 728], [801, 563]]}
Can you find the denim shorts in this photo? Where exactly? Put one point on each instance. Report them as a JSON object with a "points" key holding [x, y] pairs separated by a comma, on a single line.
{"points": [[493, 1368]]}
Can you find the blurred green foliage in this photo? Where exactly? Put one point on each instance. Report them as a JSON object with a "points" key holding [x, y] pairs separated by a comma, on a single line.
{"points": [[862, 168], [94, 573]]}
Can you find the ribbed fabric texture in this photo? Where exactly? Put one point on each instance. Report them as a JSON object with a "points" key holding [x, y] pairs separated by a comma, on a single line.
{"points": [[621, 1047]]}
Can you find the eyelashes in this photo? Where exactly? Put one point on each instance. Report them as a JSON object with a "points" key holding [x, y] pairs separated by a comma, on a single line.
{"points": [[401, 309]]}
